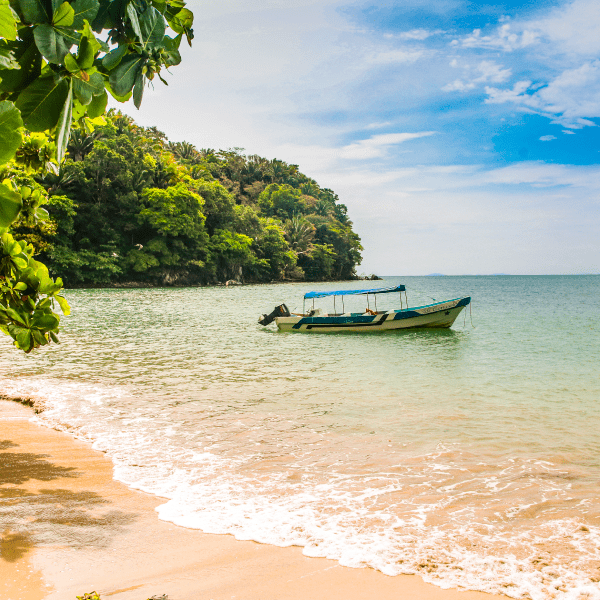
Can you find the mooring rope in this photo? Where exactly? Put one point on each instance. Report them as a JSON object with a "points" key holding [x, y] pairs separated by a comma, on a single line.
{"points": [[470, 316]]}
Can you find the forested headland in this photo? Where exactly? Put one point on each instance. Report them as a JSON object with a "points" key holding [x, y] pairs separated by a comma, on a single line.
{"points": [[127, 206]]}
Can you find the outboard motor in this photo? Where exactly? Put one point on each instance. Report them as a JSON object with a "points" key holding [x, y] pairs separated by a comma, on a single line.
{"points": [[280, 311]]}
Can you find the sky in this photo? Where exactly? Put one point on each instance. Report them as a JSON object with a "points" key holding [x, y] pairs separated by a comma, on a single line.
{"points": [[462, 136]]}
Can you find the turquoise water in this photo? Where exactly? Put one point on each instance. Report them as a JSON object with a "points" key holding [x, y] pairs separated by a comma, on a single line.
{"points": [[469, 455]]}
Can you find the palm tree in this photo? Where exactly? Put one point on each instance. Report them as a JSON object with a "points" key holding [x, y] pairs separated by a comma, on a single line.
{"points": [[310, 188], [141, 180], [162, 177], [185, 151], [81, 143], [156, 134], [121, 122], [323, 208], [53, 182], [208, 153], [299, 234], [276, 171]]}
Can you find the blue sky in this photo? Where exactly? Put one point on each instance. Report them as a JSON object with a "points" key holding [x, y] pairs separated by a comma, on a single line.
{"points": [[463, 136]]}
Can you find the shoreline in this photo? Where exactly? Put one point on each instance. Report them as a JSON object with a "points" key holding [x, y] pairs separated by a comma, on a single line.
{"points": [[69, 528], [134, 285]]}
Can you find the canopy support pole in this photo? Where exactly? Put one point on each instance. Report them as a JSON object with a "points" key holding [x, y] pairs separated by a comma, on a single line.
{"points": [[343, 307], [375, 302], [334, 311]]}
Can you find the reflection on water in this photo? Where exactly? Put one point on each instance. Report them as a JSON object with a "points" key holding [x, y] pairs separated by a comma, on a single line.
{"points": [[469, 455]]}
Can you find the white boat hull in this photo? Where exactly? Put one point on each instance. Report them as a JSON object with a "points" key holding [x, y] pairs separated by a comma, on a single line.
{"points": [[438, 315]]}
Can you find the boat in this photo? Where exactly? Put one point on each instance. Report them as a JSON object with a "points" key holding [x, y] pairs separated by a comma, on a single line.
{"points": [[439, 314]]}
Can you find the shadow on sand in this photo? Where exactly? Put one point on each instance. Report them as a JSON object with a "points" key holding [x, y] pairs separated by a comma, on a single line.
{"points": [[61, 517]]}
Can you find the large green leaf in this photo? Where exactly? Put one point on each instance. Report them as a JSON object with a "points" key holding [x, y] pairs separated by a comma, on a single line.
{"points": [[85, 9], [88, 47], [161, 5], [182, 21], [53, 46], [7, 58], [24, 340], [71, 36], [63, 16], [19, 316], [79, 110], [103, 19], [39, 268], [97, 106], [8, 23], [38, 337], [45, 322], [33, 11], [172, 58], [122, 77], [172, 43], [138, 90], [63, 129], [152, 25], [42, 102], [84, 90], [71, 64], [10, 130], [10, 205], [29, 59], [133, 19], [64, 305], [113, 58]]}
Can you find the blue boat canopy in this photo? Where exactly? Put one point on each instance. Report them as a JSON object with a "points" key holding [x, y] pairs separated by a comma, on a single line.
{"points": [[386, 290]]}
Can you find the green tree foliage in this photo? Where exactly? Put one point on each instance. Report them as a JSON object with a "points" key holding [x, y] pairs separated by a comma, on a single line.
{"points": [[55, 74], [134, 207]]}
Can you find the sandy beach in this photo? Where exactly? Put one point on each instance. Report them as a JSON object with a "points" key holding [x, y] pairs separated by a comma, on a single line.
{"points": [[68, 528]]}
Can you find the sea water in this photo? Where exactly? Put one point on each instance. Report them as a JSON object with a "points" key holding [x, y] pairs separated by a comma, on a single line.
{"points": [[470, 456]]}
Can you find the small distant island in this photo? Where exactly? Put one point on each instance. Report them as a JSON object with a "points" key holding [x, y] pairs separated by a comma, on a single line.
{"points": [[129, 207]]}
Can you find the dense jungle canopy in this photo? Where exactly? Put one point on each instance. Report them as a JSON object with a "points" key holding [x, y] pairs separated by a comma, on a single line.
{"points": [[90, 200], [127, 205], [55, 78]]}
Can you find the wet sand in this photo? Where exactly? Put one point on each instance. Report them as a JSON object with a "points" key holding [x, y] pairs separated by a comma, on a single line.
{"points": [[68, 528]]}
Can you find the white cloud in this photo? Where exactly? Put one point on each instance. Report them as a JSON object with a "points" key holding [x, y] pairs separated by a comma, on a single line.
{"points": [[263, 74], [377, 145], [568, 131], [515, 95], [484, 72], [379, 125], [502, 39], [507, 220], [418, 34], [572, 27], [547, 138], [458, 85], [564, 38], [492, 72], [395, 56], [570, 99], [540, 174]]}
